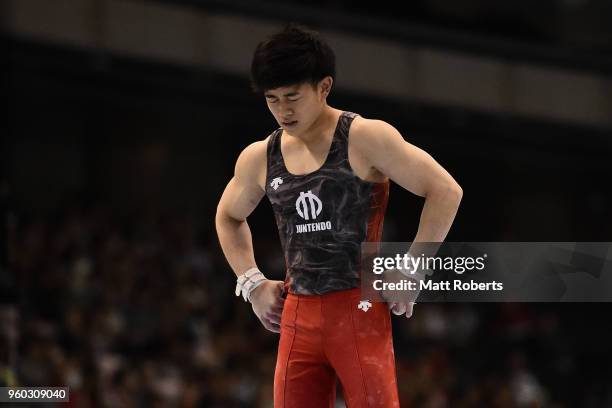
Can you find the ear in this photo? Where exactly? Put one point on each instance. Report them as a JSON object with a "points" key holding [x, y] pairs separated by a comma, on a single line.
{"points": [[325, 86]]}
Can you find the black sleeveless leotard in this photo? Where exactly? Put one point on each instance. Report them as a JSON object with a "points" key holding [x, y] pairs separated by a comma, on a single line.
{"points": [[324, 216]]}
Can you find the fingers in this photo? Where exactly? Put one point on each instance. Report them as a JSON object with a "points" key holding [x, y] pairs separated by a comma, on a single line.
{"points": [[279, 293], [409, 309], [278, 305], [399, 309], [271, 326], [274, 316], [271, 318]]}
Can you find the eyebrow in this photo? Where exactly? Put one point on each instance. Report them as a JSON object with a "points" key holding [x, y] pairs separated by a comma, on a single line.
{"points": [[292, 93]]}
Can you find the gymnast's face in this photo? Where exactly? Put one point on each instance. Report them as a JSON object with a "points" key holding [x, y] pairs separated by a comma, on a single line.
{"points": [[296, 107]]}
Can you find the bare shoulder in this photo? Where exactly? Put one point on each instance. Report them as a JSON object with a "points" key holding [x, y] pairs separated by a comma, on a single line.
{"points": [[369, 135], [254, 155], [251, 164]]}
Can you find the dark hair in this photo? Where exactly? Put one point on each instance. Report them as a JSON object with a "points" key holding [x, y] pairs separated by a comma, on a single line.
{"points": [[292, 56]]}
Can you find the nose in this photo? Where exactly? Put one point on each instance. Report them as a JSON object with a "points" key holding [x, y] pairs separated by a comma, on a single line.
{"points": [[286, 117], [284, 109], [286, 112]]}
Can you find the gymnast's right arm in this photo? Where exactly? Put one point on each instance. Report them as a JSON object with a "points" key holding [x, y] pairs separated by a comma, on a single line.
{"points": [[242, 194]]}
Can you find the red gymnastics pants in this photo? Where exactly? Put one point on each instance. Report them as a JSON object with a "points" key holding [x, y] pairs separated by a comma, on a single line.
{"points": [[324, 336]]}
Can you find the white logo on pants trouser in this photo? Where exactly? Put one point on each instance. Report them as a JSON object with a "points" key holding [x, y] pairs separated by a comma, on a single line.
{"points": [[364, 305], [308, 201]]}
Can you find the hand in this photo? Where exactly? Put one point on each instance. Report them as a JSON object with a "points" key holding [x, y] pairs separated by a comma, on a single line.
{"points": [[268, 304], [399, 308], [400, 302]]}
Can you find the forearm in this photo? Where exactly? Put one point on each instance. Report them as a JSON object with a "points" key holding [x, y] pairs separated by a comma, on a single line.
{"points": [[438, 213], [437, 217], [236, 242]]}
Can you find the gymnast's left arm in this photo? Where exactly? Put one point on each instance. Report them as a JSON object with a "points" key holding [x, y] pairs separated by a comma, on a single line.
{"points": [[413, 169], [416, 171]]}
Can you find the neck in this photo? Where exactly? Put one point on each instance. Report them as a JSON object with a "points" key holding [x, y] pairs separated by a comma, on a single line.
{"points": [[318, 129]]}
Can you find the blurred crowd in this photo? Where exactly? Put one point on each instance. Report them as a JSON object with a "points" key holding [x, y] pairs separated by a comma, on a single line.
{"points": [[139, 311]]}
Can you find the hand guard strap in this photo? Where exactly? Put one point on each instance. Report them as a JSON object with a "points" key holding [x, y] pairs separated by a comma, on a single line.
{"points": [[248, 281]]}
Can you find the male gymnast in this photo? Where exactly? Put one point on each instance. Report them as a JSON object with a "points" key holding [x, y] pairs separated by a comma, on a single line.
{"points": [[326, 173]]}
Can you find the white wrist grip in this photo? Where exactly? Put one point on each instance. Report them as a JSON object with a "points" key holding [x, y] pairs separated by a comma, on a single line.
{"points": [[248, 281]]}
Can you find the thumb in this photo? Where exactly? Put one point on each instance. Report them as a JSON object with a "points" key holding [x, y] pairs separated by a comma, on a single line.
{"points": [[409, 309]]}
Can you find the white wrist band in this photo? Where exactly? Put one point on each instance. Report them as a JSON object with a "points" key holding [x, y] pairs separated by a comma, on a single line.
{"points": [[256, 284], [415, 273], [248, 281]]}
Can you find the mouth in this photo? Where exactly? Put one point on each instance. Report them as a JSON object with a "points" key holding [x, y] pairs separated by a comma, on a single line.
{"points": [[289, 123]]}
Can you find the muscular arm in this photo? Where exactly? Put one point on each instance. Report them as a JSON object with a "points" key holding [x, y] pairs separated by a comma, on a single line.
{"points": [[242, 194], [385, 150], [416, 171]]}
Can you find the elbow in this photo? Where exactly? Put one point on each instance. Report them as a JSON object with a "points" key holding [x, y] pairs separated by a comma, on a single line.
{"points": [[452, 193], [458, 192], [224, 218], [221, 217]]}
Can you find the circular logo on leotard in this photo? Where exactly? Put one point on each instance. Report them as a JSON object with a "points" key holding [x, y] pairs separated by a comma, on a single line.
{"points": [[308, 205]]}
